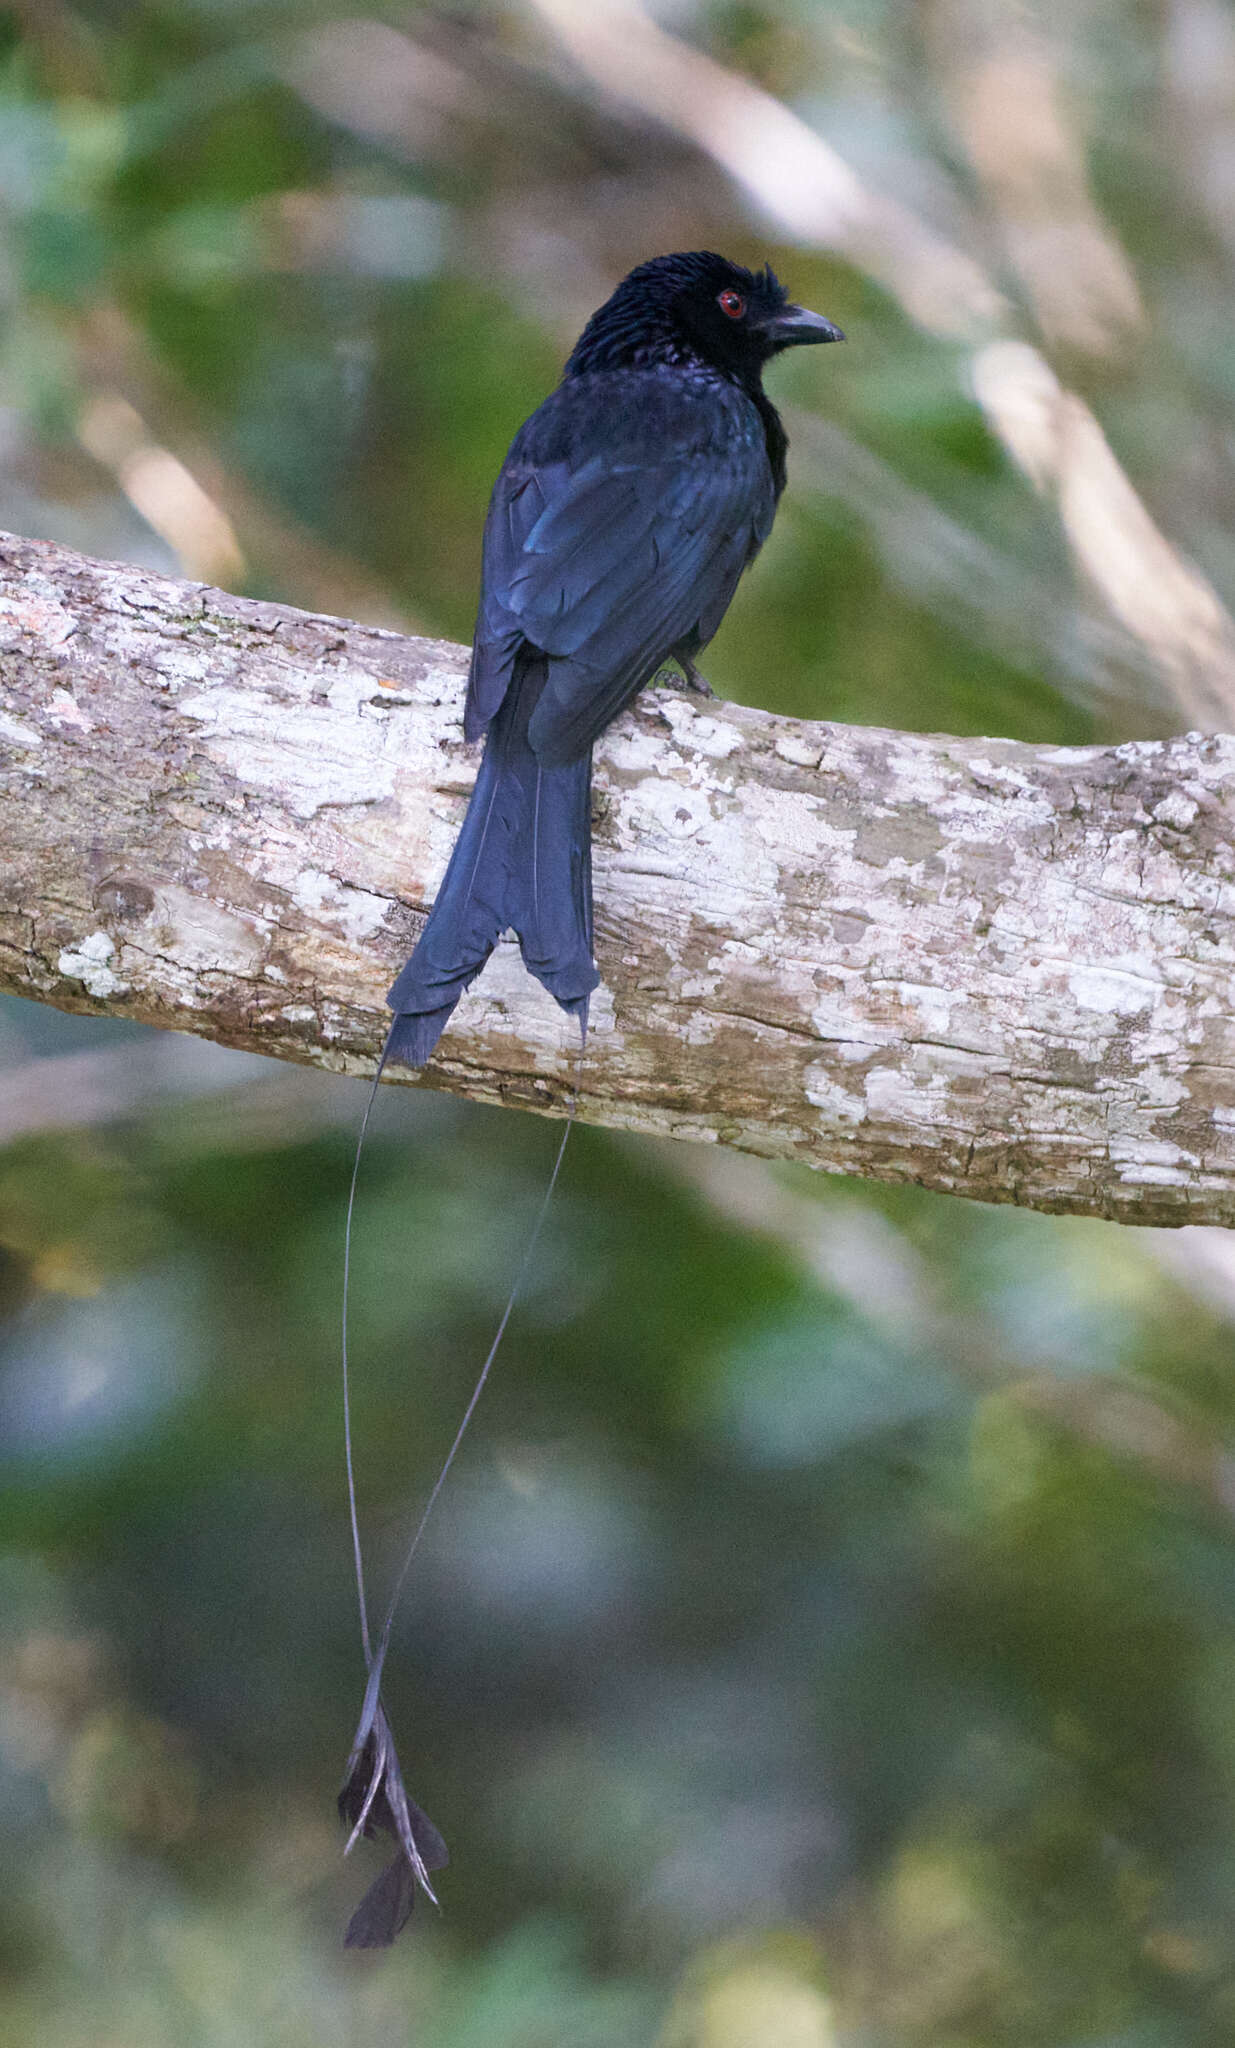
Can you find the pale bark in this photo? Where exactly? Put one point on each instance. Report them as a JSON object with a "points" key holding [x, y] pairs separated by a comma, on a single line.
{"points": [[1000, 970]]}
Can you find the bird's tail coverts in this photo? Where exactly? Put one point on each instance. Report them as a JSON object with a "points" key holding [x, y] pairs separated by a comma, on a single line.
{"points": [[523, 863]]}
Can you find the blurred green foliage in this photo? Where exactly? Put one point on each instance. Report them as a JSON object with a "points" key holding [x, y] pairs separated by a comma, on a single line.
{"points": [[829, 1634]]}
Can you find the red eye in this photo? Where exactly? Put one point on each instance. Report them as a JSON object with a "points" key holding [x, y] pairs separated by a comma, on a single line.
{"points": [[733, 304]]}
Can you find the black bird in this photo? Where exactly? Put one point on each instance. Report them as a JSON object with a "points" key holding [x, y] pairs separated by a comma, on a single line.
{"points": [[623, 517]]}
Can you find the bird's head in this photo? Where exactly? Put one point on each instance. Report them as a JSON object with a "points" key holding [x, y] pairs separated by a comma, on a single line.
{"points": [[697, 306]]}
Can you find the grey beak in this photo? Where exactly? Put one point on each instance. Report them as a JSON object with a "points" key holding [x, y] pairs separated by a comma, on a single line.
{"points": [[794, 325]]}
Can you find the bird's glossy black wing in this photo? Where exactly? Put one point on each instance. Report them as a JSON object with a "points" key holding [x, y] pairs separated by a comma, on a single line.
{"points": [[614, 542], [519, 497]]}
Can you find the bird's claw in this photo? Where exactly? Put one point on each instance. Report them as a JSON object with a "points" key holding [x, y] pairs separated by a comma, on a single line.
{"points": [[694, 679]]}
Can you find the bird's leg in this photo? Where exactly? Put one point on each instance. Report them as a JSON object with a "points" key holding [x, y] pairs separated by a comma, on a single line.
{"points": [[694, 680]]}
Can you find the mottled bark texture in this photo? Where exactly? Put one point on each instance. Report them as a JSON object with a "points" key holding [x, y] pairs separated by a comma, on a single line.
{"points": [[1000, 970]]}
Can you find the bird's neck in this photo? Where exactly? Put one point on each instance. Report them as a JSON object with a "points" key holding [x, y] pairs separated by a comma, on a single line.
{"points": [[610, 344], [631, 338], [773, 432]]}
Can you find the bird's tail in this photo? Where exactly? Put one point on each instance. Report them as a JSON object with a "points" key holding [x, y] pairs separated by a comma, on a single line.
{"points": [[522, 862]]}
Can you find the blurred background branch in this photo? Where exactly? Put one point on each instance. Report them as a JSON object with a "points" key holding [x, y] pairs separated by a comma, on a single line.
{"points": [[1077, 282]]}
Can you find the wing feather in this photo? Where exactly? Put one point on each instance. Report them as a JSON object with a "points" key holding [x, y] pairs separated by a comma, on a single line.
{"points": [[619, 526]]}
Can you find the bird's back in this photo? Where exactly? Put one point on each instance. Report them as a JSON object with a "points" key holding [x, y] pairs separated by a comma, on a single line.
{"points": [[625, 512]]}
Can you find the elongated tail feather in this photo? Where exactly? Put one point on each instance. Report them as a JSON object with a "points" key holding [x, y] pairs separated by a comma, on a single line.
{"points": [[522, 863]]}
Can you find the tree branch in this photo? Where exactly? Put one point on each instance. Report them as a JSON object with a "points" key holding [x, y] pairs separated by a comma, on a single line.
{"points": [[1000, 970]]}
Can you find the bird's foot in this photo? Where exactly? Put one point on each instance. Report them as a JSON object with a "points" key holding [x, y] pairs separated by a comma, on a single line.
{"points": [[694, 679]]}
